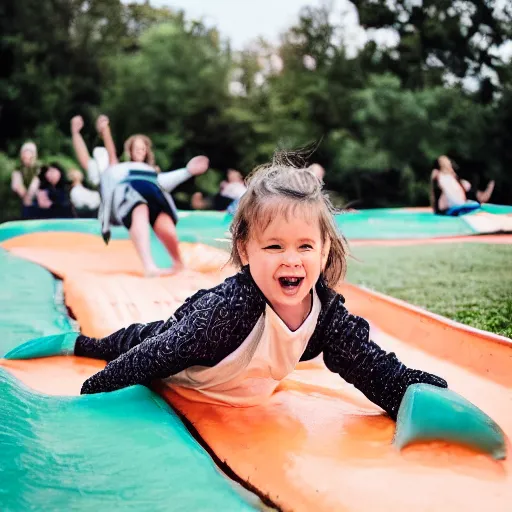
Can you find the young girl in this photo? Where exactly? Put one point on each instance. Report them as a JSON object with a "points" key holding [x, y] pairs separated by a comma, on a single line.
{"points": [[233, 344], [133, 196]]}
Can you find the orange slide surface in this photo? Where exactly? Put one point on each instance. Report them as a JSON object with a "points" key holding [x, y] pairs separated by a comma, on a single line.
{"points": [[317, 444]]}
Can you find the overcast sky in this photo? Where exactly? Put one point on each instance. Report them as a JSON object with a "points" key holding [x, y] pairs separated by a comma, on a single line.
{"points": [[244, 21]]}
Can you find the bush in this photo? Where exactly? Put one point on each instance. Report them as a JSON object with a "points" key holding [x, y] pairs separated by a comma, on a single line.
{"points": [[11, 205]]}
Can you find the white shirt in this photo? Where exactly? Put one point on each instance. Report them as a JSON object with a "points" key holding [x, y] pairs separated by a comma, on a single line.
{"points": [[233, 190], [452, 190], [250, 374], [82, 197]]}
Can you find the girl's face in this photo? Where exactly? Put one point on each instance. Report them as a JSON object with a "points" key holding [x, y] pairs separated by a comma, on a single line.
{"points": [[446, 164], [27, 157], [53, 175], [139, 150], [286, 260]]}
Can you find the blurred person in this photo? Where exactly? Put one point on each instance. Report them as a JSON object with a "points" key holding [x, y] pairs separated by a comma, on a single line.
{"points": [[51, 192], [22, 177], [131, 195], [230, 191], [234, 186], [93, 166], [449, 193], [85, 201], [137, 148]]}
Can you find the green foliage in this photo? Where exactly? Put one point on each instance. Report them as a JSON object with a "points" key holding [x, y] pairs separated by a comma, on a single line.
{"points": [[381, 115], [64, 160], [11, 204], [436, 36], [174, 86]]}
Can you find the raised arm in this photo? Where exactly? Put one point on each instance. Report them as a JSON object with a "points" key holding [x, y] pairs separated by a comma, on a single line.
{"points": [[103, 127], [379, 375], [32, 191], [81, 151]]}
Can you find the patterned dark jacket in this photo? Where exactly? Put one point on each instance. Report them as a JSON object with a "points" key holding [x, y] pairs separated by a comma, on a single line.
{"points": [[213, 323]]}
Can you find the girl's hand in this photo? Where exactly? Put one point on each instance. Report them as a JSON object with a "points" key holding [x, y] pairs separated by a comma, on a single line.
{"points": [[198, 165], [77, 123], [43, 200], [102, 124]]}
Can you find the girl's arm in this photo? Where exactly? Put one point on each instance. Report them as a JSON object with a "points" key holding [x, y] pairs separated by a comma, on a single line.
{"points": [[43, 201], [81, 152], [198, 337], [465, 185], [33, 188], [17, 184], [379, 375], [119, 342], [432, 195], [103, 127]]}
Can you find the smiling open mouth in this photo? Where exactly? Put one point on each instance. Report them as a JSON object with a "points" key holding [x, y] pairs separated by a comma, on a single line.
{"points": [[290, 282]]}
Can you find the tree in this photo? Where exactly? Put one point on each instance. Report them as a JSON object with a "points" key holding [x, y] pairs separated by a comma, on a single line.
{"points": [[53, 54], [173, 88], [441, 36]]}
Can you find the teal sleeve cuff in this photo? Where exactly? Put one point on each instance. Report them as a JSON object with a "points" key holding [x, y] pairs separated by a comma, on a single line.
{"points": [[52, 345], [430, 413]]}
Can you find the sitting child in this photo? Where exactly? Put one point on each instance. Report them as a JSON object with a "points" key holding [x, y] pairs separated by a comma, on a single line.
{"points": [[450, 195]]}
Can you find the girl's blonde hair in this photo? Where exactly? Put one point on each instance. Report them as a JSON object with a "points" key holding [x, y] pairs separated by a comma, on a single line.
{"points": [[150, 157], [280, 188]]}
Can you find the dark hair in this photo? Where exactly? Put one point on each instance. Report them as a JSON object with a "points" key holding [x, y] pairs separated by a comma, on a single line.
{"points": [[43, 181]]}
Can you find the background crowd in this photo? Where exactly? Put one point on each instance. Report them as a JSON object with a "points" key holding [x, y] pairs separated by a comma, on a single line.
{"points": [[383, 113]]}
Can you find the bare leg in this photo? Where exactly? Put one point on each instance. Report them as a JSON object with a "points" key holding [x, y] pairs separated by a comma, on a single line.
{"points": [[483, 196], [139, 234], [166, 232]]}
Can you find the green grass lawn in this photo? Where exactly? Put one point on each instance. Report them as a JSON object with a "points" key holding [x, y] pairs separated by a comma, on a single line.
{"points": [[467, 282]]}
